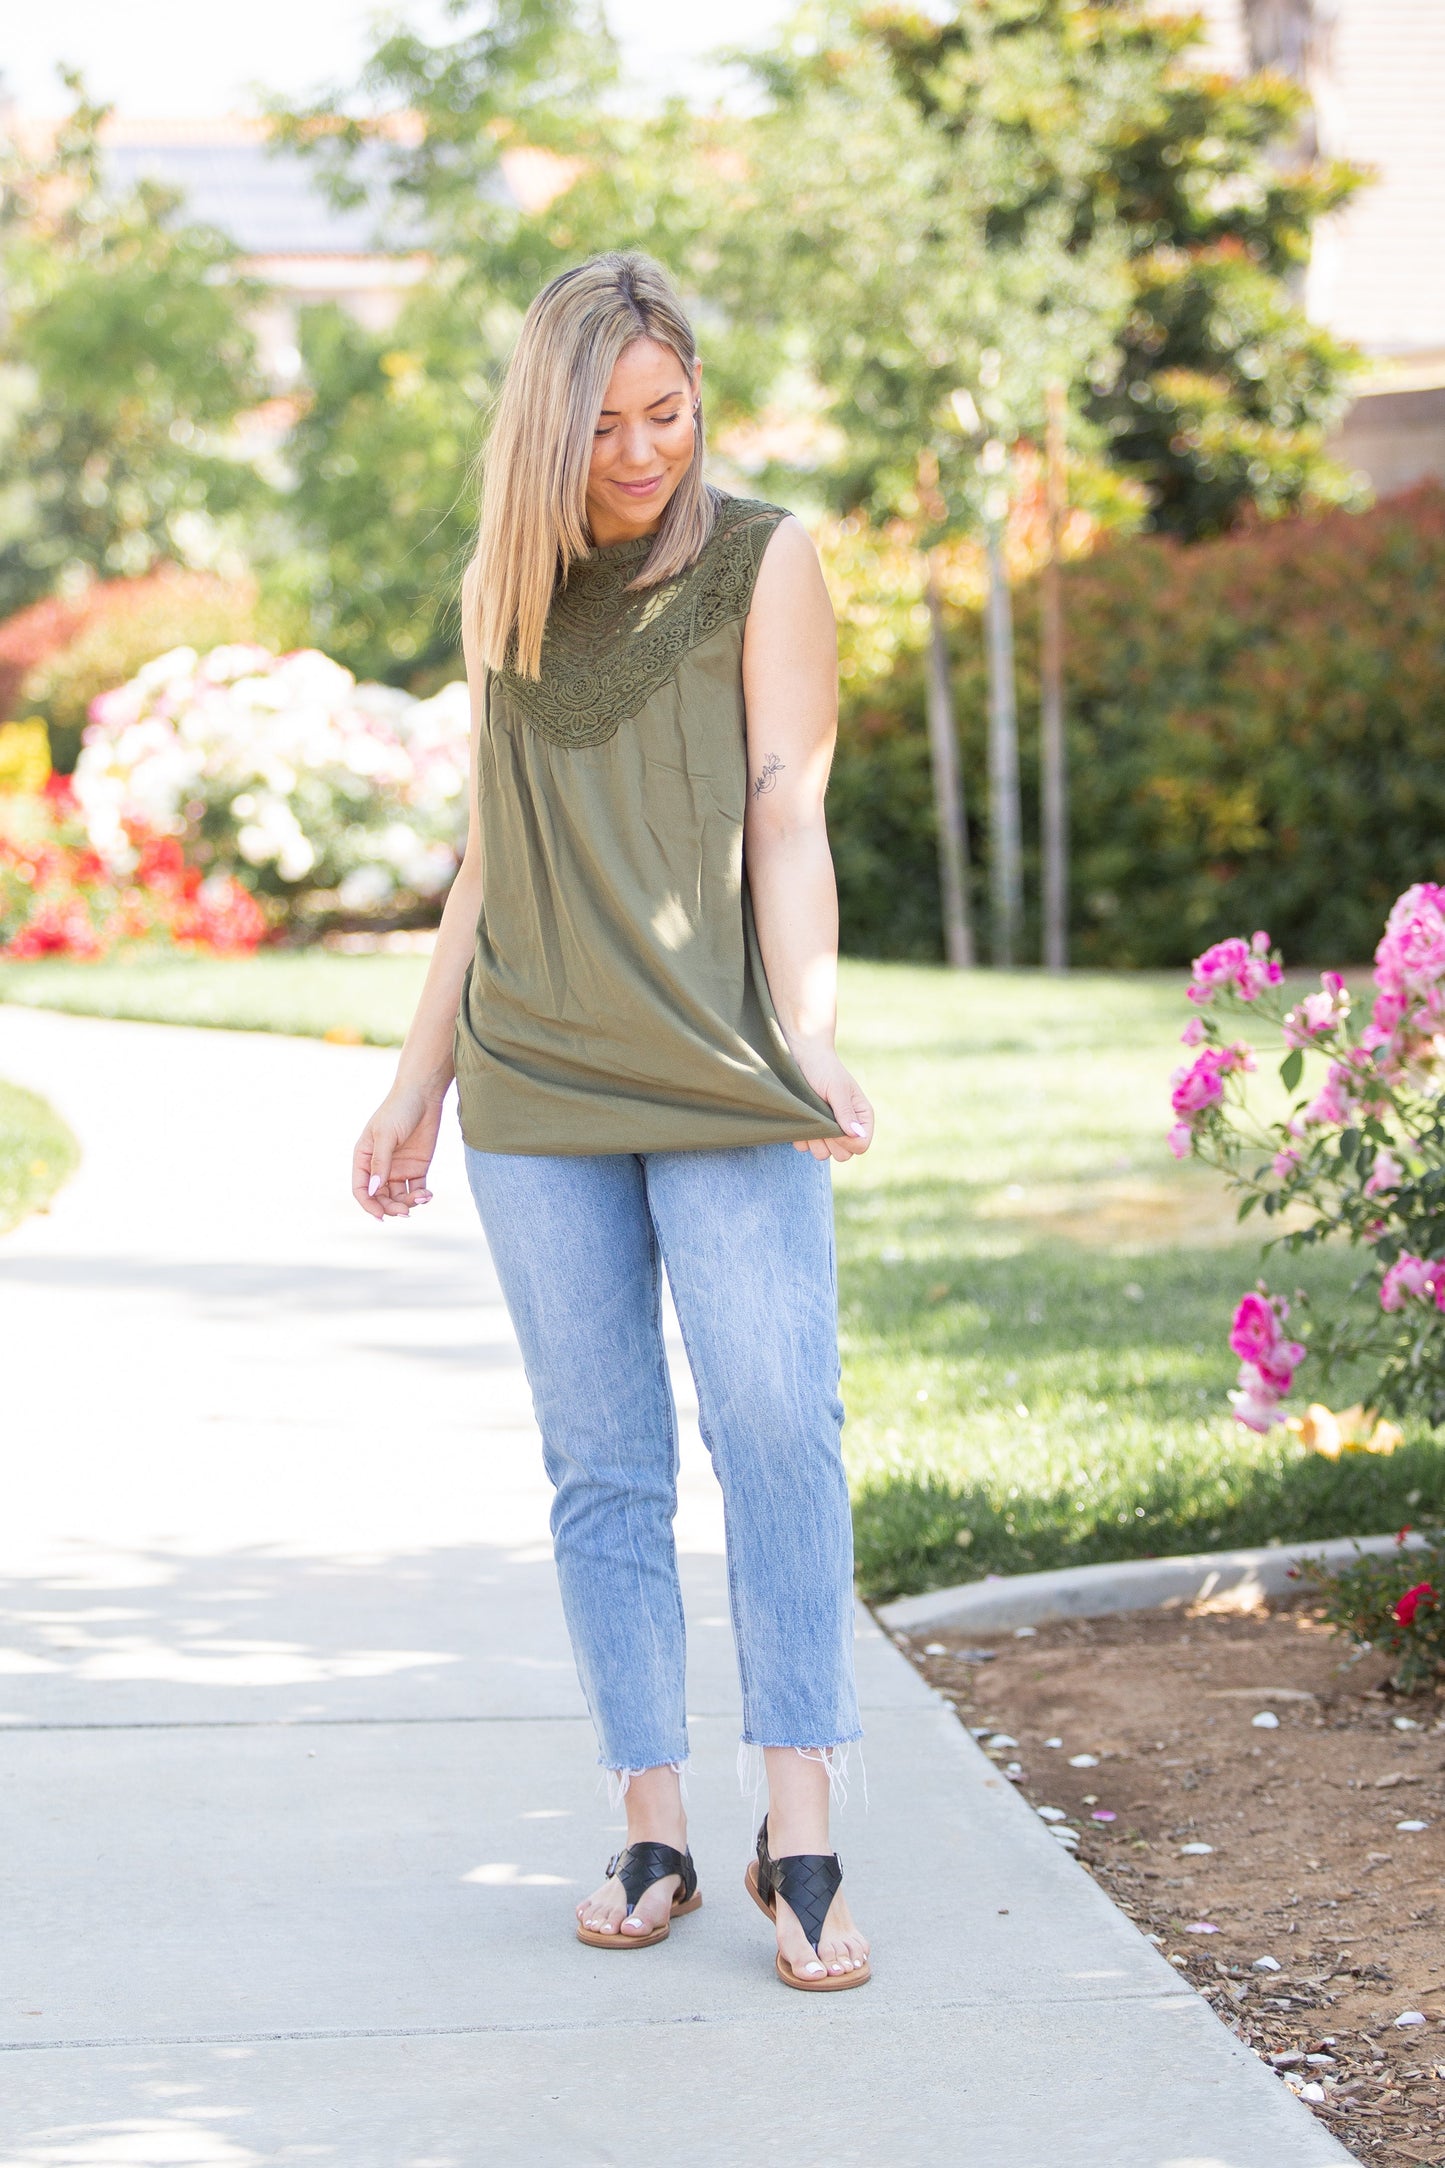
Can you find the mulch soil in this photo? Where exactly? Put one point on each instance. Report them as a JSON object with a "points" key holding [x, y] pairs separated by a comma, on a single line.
{"points": [[1308, 1867]]}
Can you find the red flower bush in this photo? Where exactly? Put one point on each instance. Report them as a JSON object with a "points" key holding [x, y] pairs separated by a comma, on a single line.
{"points": [[59, 898], [1370, 1603]]}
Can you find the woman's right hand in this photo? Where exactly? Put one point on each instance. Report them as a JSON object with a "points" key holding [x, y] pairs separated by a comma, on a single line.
{"points": [[394, 1151]]}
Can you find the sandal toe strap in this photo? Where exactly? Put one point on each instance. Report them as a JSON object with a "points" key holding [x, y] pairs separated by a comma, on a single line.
{"points": [[640, 1865], [808, 1882]]}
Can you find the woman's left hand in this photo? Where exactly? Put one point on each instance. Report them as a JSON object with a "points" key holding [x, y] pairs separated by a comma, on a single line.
{"points": [[851, 1109]]}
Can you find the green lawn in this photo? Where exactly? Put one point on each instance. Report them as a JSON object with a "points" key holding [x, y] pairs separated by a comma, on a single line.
{"points": [[305, 991], [1035, 1296], [37, 1154]]}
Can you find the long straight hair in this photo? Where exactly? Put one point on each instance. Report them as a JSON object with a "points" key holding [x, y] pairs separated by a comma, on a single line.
{"points": [[534, 469]]}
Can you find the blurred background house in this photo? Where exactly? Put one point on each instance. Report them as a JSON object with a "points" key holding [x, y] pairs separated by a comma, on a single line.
{"points": [[1375, 72]]}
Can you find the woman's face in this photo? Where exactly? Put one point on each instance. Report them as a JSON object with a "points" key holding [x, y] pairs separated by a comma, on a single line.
{"points": [[643, 441]]}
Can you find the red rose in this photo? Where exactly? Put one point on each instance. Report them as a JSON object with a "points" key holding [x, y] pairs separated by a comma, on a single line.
{"points": [[1410, 1602]]}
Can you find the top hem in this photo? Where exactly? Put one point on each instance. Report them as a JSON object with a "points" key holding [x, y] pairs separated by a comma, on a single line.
{"points": [[744, 1135]]}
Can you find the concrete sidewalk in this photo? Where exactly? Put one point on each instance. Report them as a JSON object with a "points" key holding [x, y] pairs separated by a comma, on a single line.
{"points": [[297, 1784]]}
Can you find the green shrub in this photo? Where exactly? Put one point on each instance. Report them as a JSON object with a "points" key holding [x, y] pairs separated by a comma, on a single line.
{"points": [[1256, 736], [37, 1154]]}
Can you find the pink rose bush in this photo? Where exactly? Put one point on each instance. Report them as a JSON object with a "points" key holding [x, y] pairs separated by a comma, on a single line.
{"points": [[1357, 1153]]}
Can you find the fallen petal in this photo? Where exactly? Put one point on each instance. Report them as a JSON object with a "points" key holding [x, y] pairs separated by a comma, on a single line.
{"points": [[1265, 1964], [1069, 1837], [1052, 1814], [1001, 1738], [1406, 1723], [1194, 1851], [1201, 1927], [1083, 1761], [1265, 1721], [934, 1648], [1053, 1742], [1025, 1633], [1312, 2091], [1411, 2017], [1102, 1814], [1412, 1825]]}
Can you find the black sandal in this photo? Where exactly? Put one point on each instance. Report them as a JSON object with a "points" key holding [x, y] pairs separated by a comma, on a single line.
{"points": [[807, 1882], [637, 1868]]}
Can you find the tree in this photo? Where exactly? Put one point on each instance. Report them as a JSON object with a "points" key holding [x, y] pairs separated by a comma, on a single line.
{"points": [[382, 505], [125, 361], [934, 289], [1221, 392]]}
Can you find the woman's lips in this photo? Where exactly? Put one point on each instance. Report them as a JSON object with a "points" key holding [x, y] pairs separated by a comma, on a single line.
{"points": [[639, 489]]}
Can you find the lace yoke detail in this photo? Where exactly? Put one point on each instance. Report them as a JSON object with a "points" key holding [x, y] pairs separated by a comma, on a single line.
{"points": [[608, 648]]}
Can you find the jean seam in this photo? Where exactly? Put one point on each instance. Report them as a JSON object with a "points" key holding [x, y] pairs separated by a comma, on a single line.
{"points": [[669, 1404], [739, 1637]]}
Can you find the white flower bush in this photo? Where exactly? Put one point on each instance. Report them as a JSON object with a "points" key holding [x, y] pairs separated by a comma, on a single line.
{"points": [[322, 795]]}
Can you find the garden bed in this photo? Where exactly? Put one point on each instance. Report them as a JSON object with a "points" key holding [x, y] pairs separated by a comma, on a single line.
{"points": [[1308, 1865]]}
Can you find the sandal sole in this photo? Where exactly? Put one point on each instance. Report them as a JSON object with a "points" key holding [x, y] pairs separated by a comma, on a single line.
{"points": [[595, 1941]]}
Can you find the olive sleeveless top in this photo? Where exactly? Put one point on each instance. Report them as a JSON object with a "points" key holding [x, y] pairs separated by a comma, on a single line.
{"points": [[617, 1001]]}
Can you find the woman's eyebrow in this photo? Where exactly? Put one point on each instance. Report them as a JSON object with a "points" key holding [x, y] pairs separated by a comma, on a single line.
{"points": [[665, 400]]}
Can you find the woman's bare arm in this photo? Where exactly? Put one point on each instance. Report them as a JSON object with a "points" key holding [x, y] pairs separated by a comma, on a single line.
{"points": [[790, 685], [394, 1151]]}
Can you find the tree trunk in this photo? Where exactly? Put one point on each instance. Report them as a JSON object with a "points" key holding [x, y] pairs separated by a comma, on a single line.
{"points": [[1005, 828], [1053, 767], [947, 787]]}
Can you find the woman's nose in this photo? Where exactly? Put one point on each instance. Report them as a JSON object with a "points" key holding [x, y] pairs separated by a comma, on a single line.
{"points": [[636, 445]]}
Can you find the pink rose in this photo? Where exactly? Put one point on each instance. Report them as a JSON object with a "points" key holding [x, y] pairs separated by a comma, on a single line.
{"points": [[1412, 1279], [1284, 1163], [1181, 1136], [1193, 1031], [1245, 966], [1256, 1329], [1318, 1014], [1387, 1173], [1332, 1106]]}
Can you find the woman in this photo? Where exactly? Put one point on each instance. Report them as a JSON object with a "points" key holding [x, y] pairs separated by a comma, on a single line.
{"points": [[634, 986]]}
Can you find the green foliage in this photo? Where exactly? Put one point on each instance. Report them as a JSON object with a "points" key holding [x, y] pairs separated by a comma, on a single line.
{"points": [[1257, 732], [124, 361], [382, 507], [1221, 392], [909, 258], [1364, 1602], [1256, 738], [37, 1154]]}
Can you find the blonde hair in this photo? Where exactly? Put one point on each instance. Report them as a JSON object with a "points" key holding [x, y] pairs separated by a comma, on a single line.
{"points": [[534, 494]]}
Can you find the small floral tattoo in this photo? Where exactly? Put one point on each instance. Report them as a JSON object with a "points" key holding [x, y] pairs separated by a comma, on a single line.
{"points": [[767, 780]]}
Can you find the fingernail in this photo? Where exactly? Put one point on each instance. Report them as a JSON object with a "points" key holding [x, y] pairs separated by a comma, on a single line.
{"points": [[858, 1129], [373, 1185]]}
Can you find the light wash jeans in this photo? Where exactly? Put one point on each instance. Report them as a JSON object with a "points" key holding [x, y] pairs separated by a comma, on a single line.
{"points": [[747, 1239]]}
